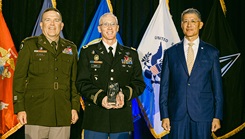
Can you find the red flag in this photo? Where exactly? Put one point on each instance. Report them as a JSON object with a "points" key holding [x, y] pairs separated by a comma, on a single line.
{"points": [[8, 55]]}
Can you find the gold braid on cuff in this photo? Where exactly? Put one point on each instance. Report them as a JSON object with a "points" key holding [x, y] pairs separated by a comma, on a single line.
{"points": [[130, 92]]}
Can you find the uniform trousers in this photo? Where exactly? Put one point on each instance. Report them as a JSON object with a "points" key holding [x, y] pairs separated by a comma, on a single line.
{"points": [[88, 134], [44, 132], [189, 129]]}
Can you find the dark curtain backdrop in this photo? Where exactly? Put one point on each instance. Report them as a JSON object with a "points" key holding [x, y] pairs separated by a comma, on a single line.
{"points": [[134, 17]]}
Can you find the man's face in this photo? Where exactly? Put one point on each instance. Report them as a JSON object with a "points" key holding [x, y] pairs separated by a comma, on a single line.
{"points": [[108, 28], [191, 25], [51, 25]]}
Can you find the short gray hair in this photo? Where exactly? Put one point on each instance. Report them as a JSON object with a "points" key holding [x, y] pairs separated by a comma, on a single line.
{"points": [[108, 14], [191, 11]]}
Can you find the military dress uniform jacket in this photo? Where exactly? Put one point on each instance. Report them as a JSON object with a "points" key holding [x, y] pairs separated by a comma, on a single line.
{"points": [[94, 72], [44, 82]]}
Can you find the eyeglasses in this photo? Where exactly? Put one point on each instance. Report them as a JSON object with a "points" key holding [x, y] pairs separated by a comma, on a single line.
{"points": [[48, 20], [192, 22], [108, 24]]}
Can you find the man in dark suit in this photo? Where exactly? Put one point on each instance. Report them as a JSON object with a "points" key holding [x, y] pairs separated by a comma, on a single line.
{"points": [[100, 66], [45, 95], [191, 96]]}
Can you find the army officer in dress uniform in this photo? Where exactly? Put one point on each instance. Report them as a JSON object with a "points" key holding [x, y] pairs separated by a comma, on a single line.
{"points": [[45, 95], [95, 71]]}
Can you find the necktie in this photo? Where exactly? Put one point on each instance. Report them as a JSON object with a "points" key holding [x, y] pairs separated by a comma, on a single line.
{"points": [[54, 44], [110, 53], [190, 57]]}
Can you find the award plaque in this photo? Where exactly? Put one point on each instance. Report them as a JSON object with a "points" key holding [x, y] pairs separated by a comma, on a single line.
{"points": [[112, 92]]}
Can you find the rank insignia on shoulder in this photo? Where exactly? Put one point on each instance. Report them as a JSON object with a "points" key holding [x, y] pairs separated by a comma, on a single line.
{"points": [[86, 46], [133, 48], [21, 46]]}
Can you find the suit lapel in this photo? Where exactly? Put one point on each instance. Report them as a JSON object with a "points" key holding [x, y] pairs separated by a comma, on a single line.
{"points": [[199, 57], [181, 54]]}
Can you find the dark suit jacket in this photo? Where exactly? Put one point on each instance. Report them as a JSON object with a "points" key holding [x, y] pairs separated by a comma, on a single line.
{"points": [[200, 94], [94, 73]]}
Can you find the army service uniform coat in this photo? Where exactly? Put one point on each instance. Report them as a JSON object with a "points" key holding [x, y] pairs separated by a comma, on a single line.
{"points": [[44, 82], [94, 72]]}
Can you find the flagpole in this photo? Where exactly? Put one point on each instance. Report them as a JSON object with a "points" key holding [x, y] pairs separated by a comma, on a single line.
{"points": [[109, 5], [167, 2], [54, 3], [0, 5]]}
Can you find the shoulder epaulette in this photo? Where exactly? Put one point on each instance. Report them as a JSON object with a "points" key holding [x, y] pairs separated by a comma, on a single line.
{"points": [[133, 48], [92, 42], [69, 41], [27, 38], [85, 46]]}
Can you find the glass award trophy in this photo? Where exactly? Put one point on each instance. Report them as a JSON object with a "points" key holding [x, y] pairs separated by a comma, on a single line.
{"points": [[113, 89]]}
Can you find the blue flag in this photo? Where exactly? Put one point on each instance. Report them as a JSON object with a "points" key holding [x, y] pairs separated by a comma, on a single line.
{"points": [[92, 33], [93, 36], [37, 29]]}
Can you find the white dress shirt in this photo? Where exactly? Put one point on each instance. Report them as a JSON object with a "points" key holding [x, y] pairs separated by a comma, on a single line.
{"points": [[195, 47]]}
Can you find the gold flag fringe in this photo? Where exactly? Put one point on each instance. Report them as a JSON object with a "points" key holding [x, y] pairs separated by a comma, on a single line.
{"points": [[54, 3], [11, 131], [222, 3], [82, 103], [231, 133], [157, 136]]}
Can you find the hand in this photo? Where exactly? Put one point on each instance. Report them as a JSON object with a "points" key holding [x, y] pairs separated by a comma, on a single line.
{"points": [[21, 116], [166, 124], [215, 125], [74, 116], [119, 100], [105, 103]]}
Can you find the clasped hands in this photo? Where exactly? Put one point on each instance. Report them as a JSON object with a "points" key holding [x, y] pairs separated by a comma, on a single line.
{"points": [[119, 102]]}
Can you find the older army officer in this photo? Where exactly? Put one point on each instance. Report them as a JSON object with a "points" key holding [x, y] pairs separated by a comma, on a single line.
{"points": [[45, 96], [100, 66]]}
